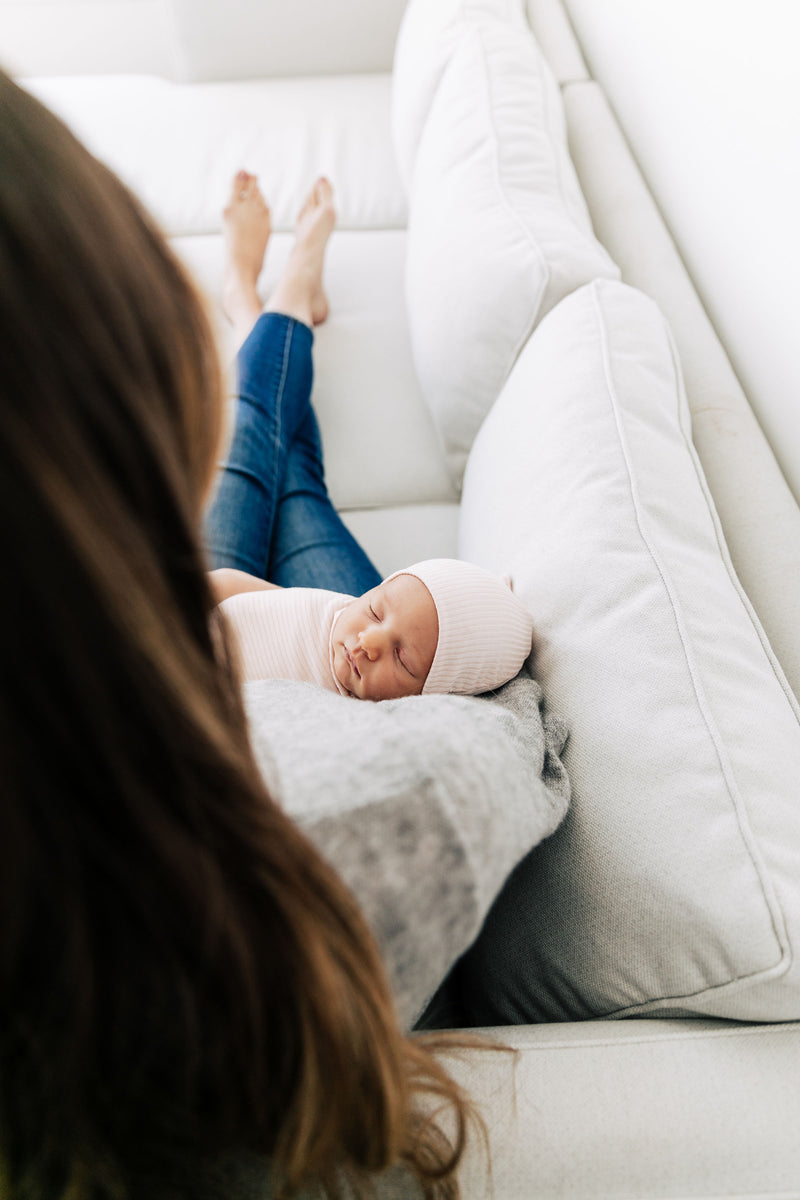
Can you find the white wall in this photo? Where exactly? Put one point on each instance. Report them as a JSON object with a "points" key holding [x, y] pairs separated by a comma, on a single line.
{"points": [[708, 92]]}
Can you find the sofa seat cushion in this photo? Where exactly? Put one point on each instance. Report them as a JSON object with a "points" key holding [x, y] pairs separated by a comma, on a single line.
{"points": [[177, 146], [674, 885], [644, 1109], [380, 443], [498, 227]]}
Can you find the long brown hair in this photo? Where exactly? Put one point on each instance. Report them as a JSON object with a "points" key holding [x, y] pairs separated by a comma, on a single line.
{"points": [[182, 977]]}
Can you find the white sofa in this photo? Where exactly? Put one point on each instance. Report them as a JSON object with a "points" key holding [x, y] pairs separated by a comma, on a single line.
{"points": [[176, 95]]}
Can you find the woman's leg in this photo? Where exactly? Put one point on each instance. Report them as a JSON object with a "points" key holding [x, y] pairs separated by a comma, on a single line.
{"points": [[311, 547], [271, 511], [275, 375]]}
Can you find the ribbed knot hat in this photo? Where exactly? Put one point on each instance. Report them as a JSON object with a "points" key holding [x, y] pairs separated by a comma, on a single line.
{"points": [[485, 632]]}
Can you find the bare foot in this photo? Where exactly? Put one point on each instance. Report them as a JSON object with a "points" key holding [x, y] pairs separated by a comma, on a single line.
{"points": [[300, 292], [247, 226]]}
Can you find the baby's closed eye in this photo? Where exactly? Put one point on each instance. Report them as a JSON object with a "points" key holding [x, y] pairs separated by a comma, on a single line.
{"points": [[403, 663]]}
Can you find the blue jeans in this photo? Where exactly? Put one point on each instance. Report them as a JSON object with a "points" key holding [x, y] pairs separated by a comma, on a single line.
{"points": [[271, 515]]}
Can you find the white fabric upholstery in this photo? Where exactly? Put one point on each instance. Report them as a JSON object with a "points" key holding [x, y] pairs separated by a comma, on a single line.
{"points": [[428, 34], [657, 1110], [241, 39], [708, 94], [552, 30], [674, 882], [758, 512], [380, 444], [178, 145], [498, 228], [198, 40], [394, 537]]}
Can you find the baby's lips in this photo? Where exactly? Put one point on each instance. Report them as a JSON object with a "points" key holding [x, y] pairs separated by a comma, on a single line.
{"points": [[352, 661]]}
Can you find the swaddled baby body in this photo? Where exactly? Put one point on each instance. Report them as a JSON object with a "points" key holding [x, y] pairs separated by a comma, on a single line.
{"points": [[438, 626]]}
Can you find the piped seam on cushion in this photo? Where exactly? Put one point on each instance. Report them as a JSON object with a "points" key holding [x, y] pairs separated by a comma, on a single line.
{"points": [[465, 21], [409, 184], [722, 545], [678, 1003], [526, 232], [770, 900], [555, 137], [790, 1028]]}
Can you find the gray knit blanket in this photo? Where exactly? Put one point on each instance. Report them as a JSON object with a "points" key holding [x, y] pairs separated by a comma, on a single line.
{"points": [[424, 805]]}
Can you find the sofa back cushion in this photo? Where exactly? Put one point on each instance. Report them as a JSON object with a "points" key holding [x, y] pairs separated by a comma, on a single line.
{"points": [[240, 39], [498, 228], [177, 146], [199, 40], [674, 884]]}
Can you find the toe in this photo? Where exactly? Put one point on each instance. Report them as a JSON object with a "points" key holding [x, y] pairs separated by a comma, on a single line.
{"points": [[323, 191], [245, 186], [239, 184]]}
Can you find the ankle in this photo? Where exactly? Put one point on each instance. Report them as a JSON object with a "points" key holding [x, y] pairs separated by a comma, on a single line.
{"points": [[295, 293], [297, 307], [243, 307]]}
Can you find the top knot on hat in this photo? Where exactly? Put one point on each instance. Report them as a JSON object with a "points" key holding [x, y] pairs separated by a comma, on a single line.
{"points": [[485, 632]]}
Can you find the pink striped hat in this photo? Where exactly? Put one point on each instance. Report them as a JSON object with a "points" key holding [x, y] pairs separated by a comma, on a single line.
{"points": [[485, 632]]}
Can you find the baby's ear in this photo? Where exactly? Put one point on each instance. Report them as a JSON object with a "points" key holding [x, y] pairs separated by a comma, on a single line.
{"points": [[508, 581]]}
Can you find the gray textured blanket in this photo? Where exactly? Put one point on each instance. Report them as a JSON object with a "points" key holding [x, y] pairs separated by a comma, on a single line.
{"points": [[424, 805]]}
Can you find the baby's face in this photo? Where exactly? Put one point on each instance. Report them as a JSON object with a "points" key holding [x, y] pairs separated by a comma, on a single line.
{"points": [[384, 642]]}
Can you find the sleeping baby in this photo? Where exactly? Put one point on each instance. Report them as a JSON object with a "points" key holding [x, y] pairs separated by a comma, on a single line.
{"points": [[439, 626]]}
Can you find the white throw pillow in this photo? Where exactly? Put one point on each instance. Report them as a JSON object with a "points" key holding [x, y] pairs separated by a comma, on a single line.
{"points": [[674, 883], [498, 227], [429, 31]]}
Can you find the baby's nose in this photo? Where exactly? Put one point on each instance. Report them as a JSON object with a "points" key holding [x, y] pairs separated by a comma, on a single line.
{"points": [[369, 641]]}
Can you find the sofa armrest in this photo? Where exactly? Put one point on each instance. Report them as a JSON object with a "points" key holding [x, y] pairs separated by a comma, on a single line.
{"points": [[644, 1108]]}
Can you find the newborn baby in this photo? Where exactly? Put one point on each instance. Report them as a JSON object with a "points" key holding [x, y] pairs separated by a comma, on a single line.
{"points": [[439, 626]]}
